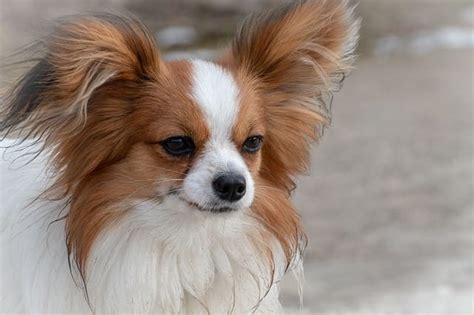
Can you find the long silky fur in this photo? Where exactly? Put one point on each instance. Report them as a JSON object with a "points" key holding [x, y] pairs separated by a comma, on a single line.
{"points": [[293, 58], [299, 55]]}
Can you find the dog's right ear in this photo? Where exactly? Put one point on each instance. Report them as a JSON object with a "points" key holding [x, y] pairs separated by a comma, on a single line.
{"points": [[81, 55]]}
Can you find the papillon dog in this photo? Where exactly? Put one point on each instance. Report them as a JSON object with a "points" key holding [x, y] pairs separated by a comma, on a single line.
{"points": [[130, 184]]}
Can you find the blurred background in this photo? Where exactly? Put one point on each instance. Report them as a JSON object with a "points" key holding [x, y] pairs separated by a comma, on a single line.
{"points": [[388, 206]]}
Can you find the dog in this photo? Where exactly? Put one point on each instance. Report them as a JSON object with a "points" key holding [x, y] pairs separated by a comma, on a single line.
{"points": [[130, 184]]}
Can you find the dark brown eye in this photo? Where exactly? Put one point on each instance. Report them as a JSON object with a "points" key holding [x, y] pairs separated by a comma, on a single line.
{"points": [[178, 146], [252, 144]]}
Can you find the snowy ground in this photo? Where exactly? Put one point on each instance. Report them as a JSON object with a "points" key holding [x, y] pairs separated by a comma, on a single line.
{"points": [[388, 206]]}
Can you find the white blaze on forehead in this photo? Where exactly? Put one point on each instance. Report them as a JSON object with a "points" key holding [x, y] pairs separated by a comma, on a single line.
{"points": [[217, 94]]}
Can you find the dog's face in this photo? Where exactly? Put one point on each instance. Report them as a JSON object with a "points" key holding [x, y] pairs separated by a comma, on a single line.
{"points": [[201, 144], [125, 127]]}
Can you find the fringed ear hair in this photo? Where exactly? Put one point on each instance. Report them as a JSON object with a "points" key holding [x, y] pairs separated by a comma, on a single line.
{"points": [[83, 53], [295, 55], [77, 102], [81, 92]]}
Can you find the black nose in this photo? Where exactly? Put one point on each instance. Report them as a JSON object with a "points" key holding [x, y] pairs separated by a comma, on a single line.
{"points": [[230, 186]]}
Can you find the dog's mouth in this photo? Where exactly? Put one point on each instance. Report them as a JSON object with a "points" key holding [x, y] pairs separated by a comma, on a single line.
{"points": [[212, 207]]}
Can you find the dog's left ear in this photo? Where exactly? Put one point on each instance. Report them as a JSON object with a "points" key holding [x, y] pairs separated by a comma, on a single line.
{"points": [[294, 56]]}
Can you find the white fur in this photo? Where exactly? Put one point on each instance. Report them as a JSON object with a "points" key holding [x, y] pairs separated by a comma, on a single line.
{"points": [[217, 94], [160, 258]]}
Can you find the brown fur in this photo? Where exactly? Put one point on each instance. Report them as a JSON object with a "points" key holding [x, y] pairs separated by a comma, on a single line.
{"points": [[288, 60], [294, 55], [101, 99], [145, 171]]}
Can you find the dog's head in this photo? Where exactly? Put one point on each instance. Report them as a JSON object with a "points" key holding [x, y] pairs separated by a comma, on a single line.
{"points": [[124, 127]]}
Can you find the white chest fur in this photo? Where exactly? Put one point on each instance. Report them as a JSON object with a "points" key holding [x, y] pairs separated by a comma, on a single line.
{"points": [[157, 259]]}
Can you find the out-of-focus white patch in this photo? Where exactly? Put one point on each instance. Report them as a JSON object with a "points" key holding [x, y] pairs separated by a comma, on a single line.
{"points": [[201, 53], [448, 38], [426, 42], [176, 36], [388, 45], [468, 15]]}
